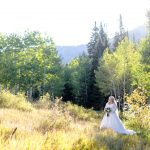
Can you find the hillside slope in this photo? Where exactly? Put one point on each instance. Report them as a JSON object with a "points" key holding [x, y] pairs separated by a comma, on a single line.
{"points": [[67, 53]]}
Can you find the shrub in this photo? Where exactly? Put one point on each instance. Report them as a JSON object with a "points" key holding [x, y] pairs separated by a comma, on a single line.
{"points": [[8, 100], [137, 98], [78, 112], [140, 121], [43, 103], [55, 121], [138, 116], [85, 144]]}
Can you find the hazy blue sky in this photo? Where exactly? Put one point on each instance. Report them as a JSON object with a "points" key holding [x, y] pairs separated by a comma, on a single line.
{"points": [[70, 22]]}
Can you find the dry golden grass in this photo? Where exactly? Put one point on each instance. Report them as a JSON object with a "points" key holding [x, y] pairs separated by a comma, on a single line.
{"points": [[30, 135], [77, 135], [65, 127]]}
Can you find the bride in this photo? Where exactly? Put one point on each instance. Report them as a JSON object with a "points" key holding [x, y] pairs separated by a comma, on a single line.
{"points": [[111, 118]]}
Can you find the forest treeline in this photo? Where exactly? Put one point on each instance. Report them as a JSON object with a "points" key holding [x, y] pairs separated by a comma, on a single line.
{"points": [[29, 63]]}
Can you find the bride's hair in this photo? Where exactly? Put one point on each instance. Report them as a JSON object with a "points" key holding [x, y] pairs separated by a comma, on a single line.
{"points": [[114, 101], [112, 98]]}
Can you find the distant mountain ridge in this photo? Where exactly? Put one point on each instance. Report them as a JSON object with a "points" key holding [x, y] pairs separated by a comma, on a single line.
{"points": [[67, 53], [138, 33]]}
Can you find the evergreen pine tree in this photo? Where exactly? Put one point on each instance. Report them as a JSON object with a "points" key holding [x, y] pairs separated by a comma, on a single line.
{"points": [[68, 94], [96, 47], [119, 36]]}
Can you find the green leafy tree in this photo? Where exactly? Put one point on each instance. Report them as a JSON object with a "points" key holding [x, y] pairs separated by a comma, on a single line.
{"points": [[118, 72], [80, 78], [144, 76], [30, 63]]}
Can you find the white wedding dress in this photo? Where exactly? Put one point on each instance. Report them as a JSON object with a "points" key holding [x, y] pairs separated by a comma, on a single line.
{"points": [[113, 121]]}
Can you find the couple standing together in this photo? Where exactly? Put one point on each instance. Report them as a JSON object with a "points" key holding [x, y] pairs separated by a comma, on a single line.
{"points": [[111, 118]]}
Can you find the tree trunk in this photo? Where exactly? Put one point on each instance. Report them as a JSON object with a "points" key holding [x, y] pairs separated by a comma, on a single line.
{"points": [[30, 93], [0, 88], [86, 92], [114, 89]]}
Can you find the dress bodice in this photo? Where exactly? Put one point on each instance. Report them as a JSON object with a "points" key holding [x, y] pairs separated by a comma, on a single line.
{"points": [[113, 107]]}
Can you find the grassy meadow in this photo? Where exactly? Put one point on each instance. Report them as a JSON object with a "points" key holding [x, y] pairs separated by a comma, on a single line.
{"points": [[45, 125]]}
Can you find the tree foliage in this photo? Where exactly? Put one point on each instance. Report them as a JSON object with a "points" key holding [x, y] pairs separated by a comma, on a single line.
{"points": [[77, 77], [98, 43], [122, 71], [120, 35], [30, 63]]}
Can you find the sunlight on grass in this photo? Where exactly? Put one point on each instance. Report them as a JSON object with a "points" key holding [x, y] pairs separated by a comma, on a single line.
{"points": [[66, 127], [8, 100]]}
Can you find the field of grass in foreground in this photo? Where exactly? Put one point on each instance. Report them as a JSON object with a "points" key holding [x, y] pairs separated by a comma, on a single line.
{"points": [[46, 126]]}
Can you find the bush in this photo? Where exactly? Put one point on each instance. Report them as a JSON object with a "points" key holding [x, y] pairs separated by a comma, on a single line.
{"points": [[140, 121], [78, 112], [43, 103], [8, 100], [85, 144], [138, 98], [55, 121], [138, 116]]}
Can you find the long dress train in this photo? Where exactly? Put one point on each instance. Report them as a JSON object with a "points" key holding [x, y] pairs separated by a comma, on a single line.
{"points": [[113, 121]]}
